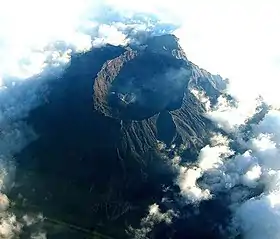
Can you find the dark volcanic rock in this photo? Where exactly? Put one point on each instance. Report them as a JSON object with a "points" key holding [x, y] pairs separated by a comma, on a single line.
{"points": [[96, 156]]}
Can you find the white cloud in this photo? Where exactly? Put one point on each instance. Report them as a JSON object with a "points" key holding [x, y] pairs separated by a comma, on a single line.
{"points": [[237, 39], [210, 160], [9, 226], [211, 157], [156, 215], [230, 117], [265, 208], [252, 175], [219, 169], [39, 235], [27, 27], [203, 98], [215, 36], [111, 35], [32, 219], [153, 217], [257, 217], [4, 202], [187, 181], [260, 217], [270, 125]]}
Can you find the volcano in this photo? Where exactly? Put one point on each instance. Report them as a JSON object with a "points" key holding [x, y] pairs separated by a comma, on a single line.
{"points": [[96, 162]]}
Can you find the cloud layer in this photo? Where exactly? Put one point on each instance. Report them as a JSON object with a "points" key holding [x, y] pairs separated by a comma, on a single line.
{"points": [[248, 176], [38, 37]]}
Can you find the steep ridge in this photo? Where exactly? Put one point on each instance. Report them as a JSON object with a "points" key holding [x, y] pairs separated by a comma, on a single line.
{"points": [[203, 80], [96, 156]]}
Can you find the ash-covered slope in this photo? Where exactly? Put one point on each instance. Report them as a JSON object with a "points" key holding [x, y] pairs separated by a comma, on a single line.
{"points": [[96, 155]]}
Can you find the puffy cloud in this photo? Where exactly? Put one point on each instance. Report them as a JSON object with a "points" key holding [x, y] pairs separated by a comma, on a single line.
{"points": [[4, 202], [211, 157], [251, 180], [31, 31], [9, 226], [187, 181], [259, 217], [156, 215], [270, 125], [108, 34], [209, 161], [254, 216], [110, 22], [252, 175], [229, 117], [25, 33], [243, 176], [215, 36]]}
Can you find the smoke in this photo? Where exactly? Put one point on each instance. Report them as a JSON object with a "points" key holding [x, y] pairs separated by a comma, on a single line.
{"points": [[171, 89]]}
